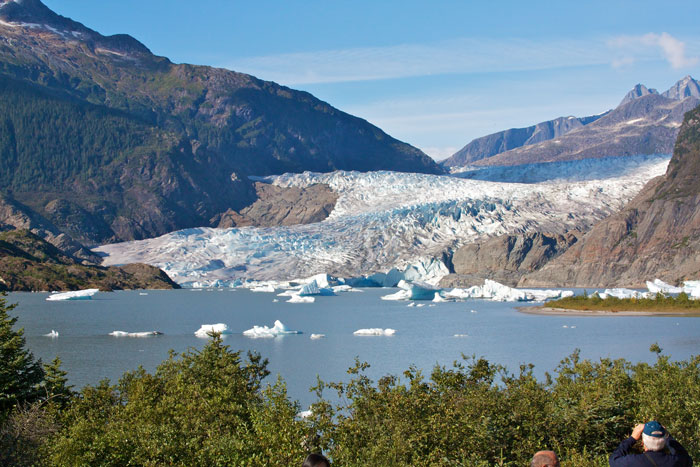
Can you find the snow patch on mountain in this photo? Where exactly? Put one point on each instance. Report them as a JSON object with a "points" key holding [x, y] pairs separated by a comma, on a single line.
{"points": [[389, 219]]}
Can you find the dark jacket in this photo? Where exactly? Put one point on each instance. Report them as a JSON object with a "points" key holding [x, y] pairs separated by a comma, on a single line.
{"points": [[676, 456]]}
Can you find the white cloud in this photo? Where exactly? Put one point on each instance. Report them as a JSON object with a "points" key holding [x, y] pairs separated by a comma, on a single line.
{"points": [[648, 46], [411, 60]]}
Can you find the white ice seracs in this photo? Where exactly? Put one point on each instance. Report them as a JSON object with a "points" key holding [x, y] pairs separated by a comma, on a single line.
{"points": [[206, 330], [86, 294], [278, 329], [375, 332], [384, 220]]}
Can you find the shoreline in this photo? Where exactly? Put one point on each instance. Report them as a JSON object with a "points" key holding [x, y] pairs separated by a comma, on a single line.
{"points": [[549, 311]]}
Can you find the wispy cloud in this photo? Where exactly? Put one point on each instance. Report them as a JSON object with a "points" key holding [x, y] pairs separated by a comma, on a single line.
{"points": [[633, 48], [411, 60]]}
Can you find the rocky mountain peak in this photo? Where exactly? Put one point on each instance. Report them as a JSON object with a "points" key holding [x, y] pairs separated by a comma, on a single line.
{"points": [[33, 15], [638, 91], [686, 87]]}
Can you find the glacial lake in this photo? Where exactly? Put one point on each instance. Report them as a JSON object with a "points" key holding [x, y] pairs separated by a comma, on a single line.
{"points": [[425, 336]]}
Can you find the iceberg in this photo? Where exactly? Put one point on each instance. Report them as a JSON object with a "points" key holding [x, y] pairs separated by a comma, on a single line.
{"points": [[416, 290], [659, 286], [53, 334], [492, 290], [623, 293], [312, 288], [317, 336], [263, 288], [294, 298], [206, 330], [76, 295], [135, 334], [375, 332], [692, 288], [278, 329]]}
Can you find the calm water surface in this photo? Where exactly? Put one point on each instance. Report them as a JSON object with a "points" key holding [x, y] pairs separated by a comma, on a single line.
{"points": [[425, 335]]}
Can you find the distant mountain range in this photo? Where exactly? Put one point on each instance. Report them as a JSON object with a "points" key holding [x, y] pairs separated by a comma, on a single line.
{"points": [[108, 142], [645, 122]]}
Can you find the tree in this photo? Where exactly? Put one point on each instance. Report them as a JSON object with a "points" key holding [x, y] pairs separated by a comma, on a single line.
{"points": [[20, 375], [204, 407]]}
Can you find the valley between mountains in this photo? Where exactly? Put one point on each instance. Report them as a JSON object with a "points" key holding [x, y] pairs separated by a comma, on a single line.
{"points": [[114, 155]]}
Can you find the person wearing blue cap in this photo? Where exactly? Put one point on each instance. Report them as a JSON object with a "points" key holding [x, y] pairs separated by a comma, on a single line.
{"points": [[660, 449]]}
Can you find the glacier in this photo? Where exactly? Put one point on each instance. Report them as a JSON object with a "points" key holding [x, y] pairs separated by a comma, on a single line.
{"points": [[390, 226]]}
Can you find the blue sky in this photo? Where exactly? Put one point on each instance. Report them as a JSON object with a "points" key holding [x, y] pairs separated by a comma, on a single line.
{"points": [[434, 74]]}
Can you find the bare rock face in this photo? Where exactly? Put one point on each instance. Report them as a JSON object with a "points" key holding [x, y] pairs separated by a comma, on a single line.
{"points": [[657, 235], [507, 258], [283, 206], [13, 215]]}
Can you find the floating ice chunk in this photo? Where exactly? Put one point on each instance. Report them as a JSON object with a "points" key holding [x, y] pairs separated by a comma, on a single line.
{"points": [[53, 334], [76, 295], [208, 329], [278, 329], [414, 291], [623, 293], [494, 291], [461, 335], [299, 299], [317, 336], [274, 300], [438, 298], [263, 288], [143, 293], [692, 288], [135, 334], [344, 288], [312, 288], [659, 286], [411, 304], [375, 332], [473, 311], [324, 281]]}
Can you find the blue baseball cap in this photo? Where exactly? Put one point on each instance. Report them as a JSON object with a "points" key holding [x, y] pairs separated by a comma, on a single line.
{"points": [[654, 428]]}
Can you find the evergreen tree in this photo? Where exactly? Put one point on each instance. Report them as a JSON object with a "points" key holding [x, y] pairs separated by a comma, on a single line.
{"points": [[20, 374], [56, 385]]}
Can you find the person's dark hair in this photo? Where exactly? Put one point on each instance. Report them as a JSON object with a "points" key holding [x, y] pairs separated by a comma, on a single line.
{"points": [[316, 460]]}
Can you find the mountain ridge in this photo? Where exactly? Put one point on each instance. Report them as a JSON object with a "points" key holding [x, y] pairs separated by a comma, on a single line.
{"points": [[170, 146], [654, 120], [656, 235]]}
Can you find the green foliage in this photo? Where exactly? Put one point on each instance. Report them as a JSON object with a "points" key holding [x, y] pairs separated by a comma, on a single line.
{"points": [[20, 374], [478, 414], [201, 408], [660, 302]]}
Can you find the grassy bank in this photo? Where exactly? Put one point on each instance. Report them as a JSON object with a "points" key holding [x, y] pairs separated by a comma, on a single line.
{"points": [[660, 303]]}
